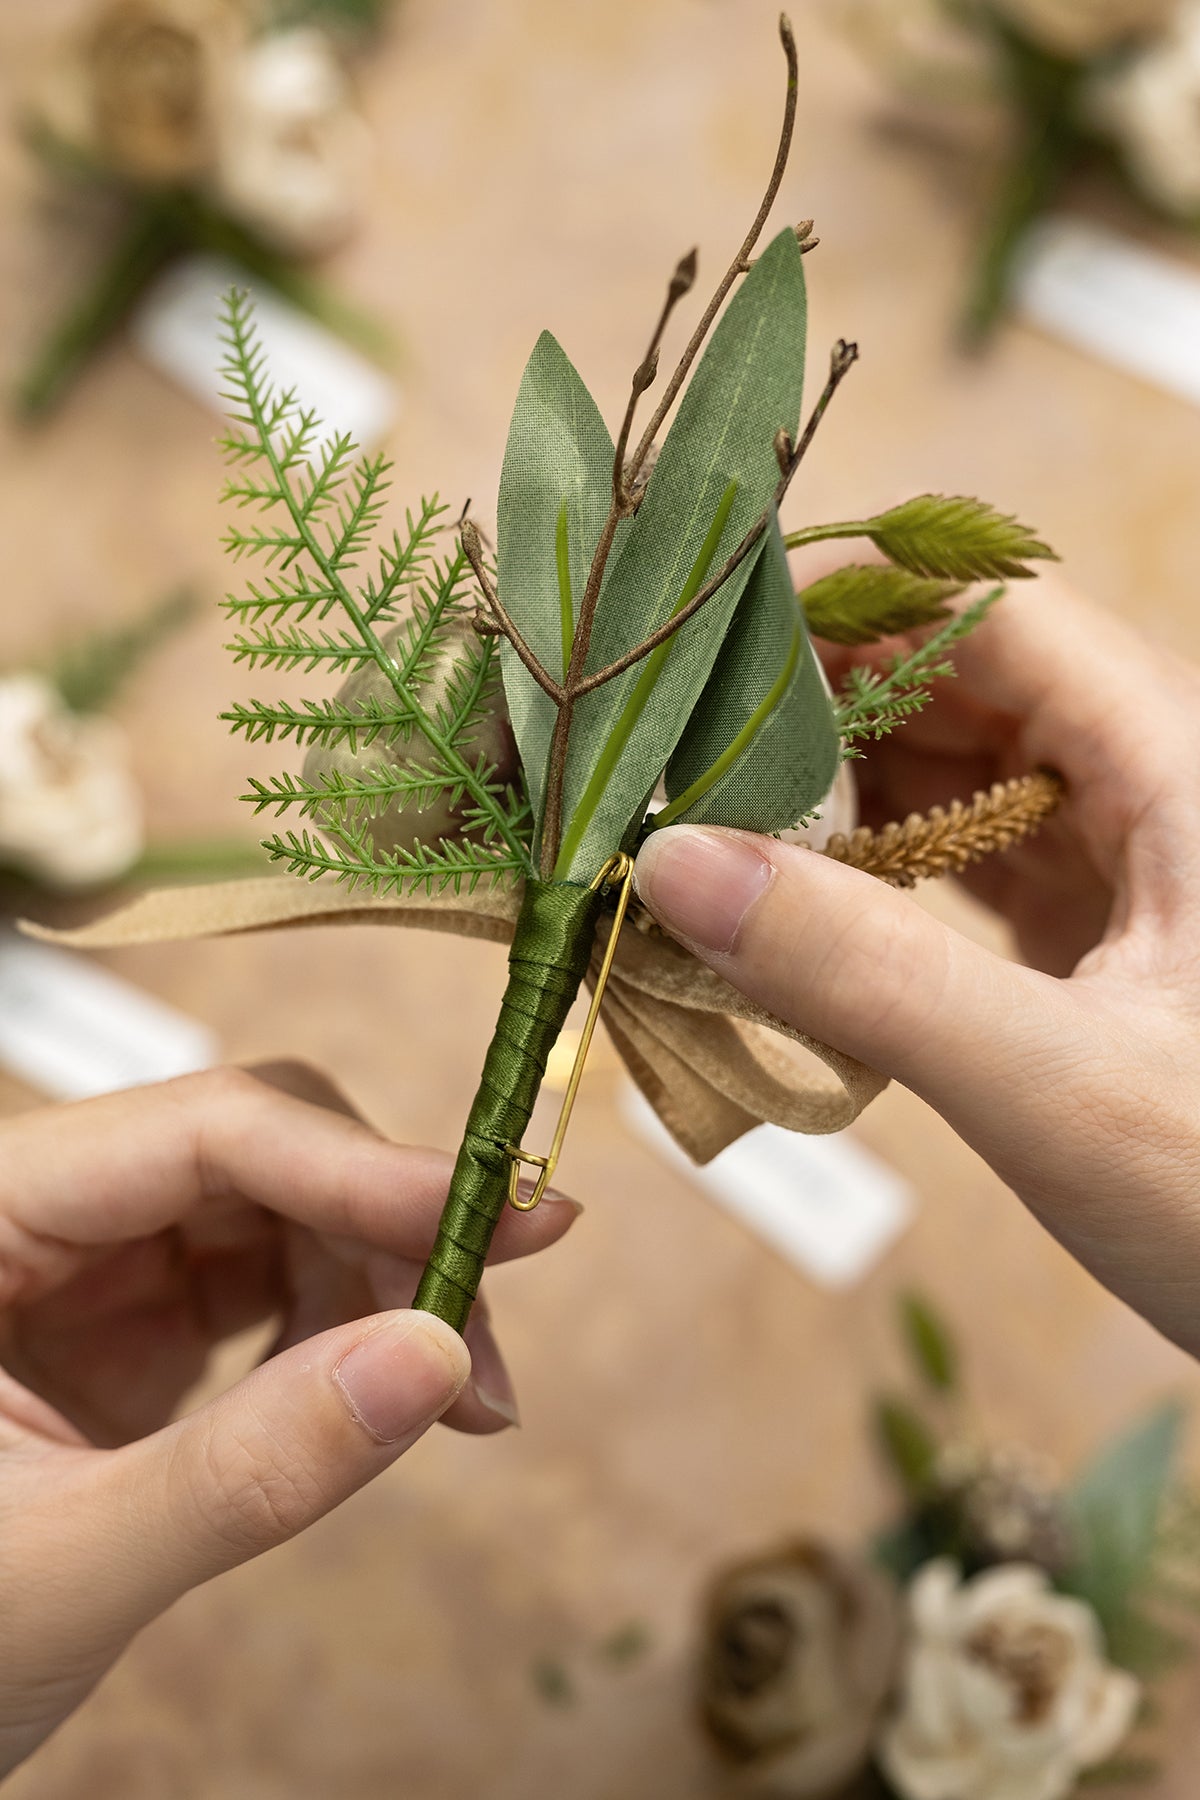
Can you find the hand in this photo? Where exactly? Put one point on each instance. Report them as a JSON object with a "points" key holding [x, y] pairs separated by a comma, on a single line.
{"points": [[1075, 1078], [136, 1232]]}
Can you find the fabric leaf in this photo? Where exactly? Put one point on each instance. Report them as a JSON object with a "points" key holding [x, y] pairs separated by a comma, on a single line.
{"points": [[956, 539], [761, 748], [1115, 1509], [717, 466], [867, 601], [559, 455]]}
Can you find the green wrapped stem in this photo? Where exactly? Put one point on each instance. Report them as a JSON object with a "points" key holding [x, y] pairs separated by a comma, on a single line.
{"points": [[550, 951]]}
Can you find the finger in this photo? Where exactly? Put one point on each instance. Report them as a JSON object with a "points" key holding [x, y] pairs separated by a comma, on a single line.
{"points": [[268, 1458], [125, 1165], [860, 966]]}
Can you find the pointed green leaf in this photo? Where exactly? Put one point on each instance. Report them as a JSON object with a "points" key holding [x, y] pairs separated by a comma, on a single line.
{"points": [[930, 1343], [718, 455], [908, 1444], [1116, 1508], [955, 538], [761, 748], [559, 455], [867, 601]]}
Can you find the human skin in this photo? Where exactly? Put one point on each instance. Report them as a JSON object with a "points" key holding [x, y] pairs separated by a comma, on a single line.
{"points": [[136, 1232], [1076, 1074]]}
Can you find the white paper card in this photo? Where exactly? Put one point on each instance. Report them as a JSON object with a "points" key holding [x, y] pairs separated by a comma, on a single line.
{"points": [[825, 1203], [71, 1028], [1127, 305], [176, 328]]}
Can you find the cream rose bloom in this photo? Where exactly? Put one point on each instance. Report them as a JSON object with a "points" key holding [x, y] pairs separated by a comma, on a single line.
{"points": [[798, 1654], [1151, 106], [292, 150], [70, 811], [1006, 1693], [1086, 28]]}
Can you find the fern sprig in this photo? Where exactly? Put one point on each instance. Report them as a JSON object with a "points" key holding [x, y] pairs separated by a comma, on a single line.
{"points": [[875, 701], [330, 505]]}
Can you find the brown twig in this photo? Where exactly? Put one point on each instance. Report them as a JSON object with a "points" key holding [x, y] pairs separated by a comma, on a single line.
{"points": [[741, 260], [946, 839], [681, 283], [844, 357], [624, 477], [473, 550]]}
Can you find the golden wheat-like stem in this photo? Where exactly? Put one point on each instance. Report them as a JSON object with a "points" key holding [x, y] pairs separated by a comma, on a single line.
{"points": [[944, 840]]}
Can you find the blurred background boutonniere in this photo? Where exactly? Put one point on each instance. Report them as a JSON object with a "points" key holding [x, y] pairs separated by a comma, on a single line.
{"points": [[999, 1642], [225, 127], [1103, 88]]}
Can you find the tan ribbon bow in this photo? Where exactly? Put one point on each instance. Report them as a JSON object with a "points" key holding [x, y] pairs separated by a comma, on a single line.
{"points": [[711, 1063]]}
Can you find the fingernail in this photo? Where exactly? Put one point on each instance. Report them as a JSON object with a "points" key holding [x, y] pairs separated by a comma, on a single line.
{"points": [[402, 1375], [701, 883], [489, 1374]]}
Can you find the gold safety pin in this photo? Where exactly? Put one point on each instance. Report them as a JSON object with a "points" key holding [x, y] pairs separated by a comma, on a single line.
{"points": [[618, 869]]}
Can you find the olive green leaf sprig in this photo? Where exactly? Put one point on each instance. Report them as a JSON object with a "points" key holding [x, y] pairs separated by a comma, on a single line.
{"points": [[641, 616]]}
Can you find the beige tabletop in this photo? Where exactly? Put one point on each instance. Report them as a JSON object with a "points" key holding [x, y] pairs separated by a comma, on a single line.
{"points": [[543, 163]]}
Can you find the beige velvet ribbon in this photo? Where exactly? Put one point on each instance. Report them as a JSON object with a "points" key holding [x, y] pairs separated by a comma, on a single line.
{"points": [[711, 1063]]}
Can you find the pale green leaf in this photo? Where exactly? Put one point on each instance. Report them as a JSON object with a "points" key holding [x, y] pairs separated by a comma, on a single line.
{"points": [[718, 459], [955, 538], [908, 1444], [867, 601], [930, 1342], [559, 454], [1115, 1509], [761, 748]]}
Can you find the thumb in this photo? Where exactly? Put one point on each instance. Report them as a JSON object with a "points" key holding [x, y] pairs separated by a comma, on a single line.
{"points": [[856, 964], [273, 1454]]}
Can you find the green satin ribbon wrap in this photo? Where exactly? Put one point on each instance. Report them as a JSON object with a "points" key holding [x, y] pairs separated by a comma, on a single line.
{"points": [[547, 962]]}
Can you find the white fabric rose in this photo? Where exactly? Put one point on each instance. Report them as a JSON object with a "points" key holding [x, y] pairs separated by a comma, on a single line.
{"points": [[1086, 28], [1005, 1690], [70, 811], [292, 149], [1151, 106]]}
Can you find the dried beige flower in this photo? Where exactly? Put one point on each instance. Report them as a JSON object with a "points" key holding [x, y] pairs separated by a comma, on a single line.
{"points": [[798, 1654], [154, 71]]}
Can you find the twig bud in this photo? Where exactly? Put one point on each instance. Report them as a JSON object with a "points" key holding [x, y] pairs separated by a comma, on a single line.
{"points": [[785, 449], [643, 375], [468, 531], [484, 625], [684, 277], [844, 357]]}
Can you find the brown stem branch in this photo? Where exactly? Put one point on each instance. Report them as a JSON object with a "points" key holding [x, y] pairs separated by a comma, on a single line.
{"points": [[643, 376], [741, 260], [844, 357], [473, 550]]}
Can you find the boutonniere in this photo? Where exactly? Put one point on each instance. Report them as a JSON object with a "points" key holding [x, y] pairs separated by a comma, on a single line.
{"points": [[507, 731]]}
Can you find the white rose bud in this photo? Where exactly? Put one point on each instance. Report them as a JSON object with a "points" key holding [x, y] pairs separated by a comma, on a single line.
{"points": [[70, 811], [1151, 106], [1005, 1690], [405, 823], [293, 149]]}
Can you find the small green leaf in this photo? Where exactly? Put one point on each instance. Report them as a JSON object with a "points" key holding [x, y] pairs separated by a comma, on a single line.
{"points": [[90, 673], [761, 748], [929, 1340], [555, 490], [1144, 1645], [907, 1442], [867, 601], [1115, 1509], [552, 1681], [1122, 1771], [954, 538]]}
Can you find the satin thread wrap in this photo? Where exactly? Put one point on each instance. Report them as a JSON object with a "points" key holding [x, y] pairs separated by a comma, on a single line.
{"points": [[547, 961]]}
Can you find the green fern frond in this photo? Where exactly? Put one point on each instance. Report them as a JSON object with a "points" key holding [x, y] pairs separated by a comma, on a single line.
{"points": [[426, 868], [875, 701], [321, 509]]}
